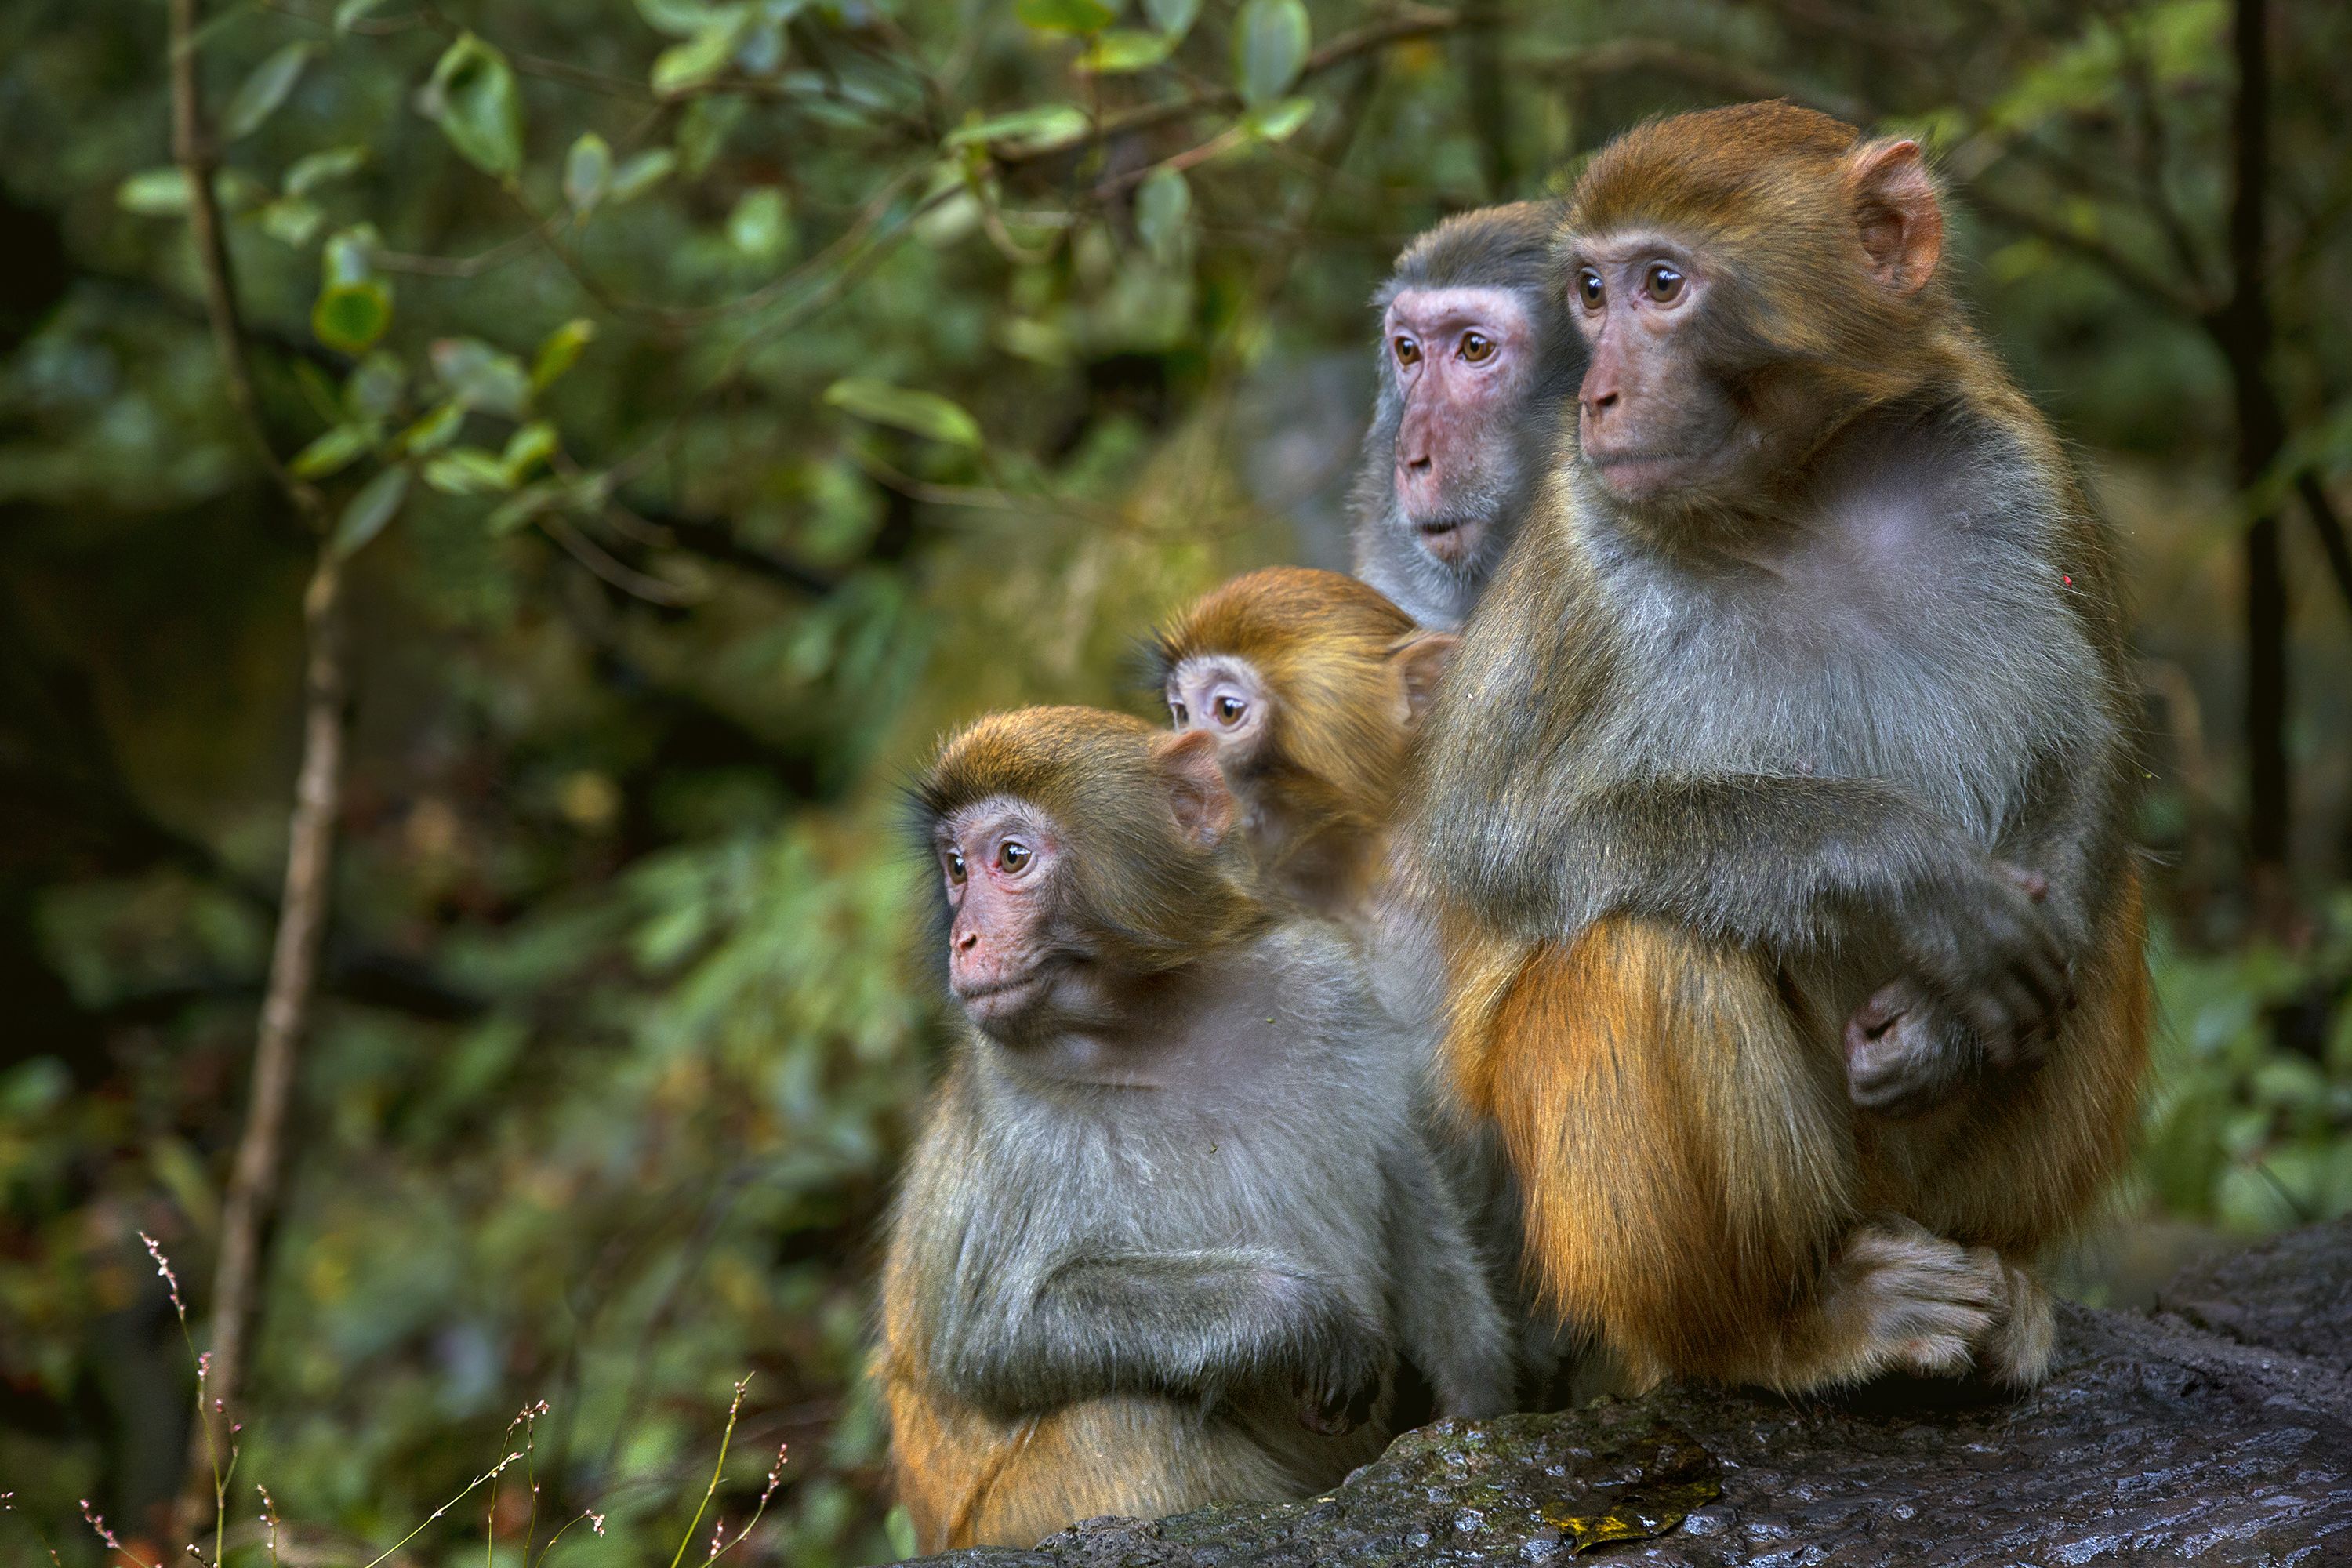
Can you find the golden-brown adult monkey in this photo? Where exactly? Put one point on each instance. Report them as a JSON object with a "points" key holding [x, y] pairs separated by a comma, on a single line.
{"points": [[1312, 686], [1171, 1220], [1781, 785]]}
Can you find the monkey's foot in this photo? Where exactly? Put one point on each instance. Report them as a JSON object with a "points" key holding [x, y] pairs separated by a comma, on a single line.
{"points": [[1900, 1299]]}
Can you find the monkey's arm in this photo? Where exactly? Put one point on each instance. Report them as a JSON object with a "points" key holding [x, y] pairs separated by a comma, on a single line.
{"points": [[1445, 1305], [1786, 863], [1192, 1322]]}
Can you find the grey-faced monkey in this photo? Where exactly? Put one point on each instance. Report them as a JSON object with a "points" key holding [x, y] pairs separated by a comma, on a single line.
{"points": [[1477, 353], [1781, 783], [1170, 1224]]}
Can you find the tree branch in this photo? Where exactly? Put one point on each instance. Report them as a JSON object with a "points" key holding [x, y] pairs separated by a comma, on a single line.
{"points": [[1364, 40], [2330, 528], [2142, 280], [253, 1180]]}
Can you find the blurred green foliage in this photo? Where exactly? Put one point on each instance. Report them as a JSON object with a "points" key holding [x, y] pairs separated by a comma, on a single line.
{"points": [[716, 398]]}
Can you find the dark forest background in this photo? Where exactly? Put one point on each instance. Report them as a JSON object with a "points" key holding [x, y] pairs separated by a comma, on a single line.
{"points": [[598, 446]]}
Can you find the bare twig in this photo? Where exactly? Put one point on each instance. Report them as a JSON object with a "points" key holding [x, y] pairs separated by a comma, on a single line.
{"points": [[253, 1180], [2330, 528], [2144, 280], [1413, 24]]}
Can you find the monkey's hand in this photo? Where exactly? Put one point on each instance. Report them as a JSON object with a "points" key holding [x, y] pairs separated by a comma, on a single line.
{"points": [[1904, 1054], [1982, 954], [1338, 1389]]}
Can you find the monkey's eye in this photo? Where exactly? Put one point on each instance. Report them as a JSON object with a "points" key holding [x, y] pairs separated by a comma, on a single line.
{"points": [[1407, 351], [1013, 856], [955, 866], [1477, 347], [1664, 283], [1590, 288], [1230, 710], [1183, 715]]}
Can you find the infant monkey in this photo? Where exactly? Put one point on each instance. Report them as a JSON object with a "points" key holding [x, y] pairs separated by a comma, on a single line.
{"points": [[1171, 1223], [1312, 685]]}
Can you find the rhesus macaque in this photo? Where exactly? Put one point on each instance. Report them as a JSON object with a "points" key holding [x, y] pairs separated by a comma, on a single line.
{"points": [[1312, 686], [1476, 354], [1780, 786], [1170, 1224]]}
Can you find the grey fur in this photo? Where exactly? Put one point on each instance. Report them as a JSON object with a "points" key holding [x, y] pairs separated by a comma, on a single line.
{"points": [[1807, 730], [1506, 246], [1264, 1220]]}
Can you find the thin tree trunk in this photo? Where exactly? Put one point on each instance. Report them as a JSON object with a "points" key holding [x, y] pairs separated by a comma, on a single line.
{"points": [[2245, 328], [252, 1197]]}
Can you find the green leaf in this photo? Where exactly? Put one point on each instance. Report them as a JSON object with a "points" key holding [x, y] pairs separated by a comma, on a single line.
{"points": [[527, 503], [1173, 17], [1065, 15], [1276, 122], [435, 430], [678, 18], [1270, 39], [480, 376], [351, 316], [155, 192], [1034, 130], [703, 130], [682, 68], [587, 172], [372, 389], [318, 169], [290, 221], [238, 191], [529, 446], [472, 97], [369, 510], [1125, 49], [561, 350], [333, 451], [1162, 204], [350, 254], [756, 226], [467, 471], [903, 408], [642, 173], [258, 96], [351, 12], [319, 391], [899, 1526]]}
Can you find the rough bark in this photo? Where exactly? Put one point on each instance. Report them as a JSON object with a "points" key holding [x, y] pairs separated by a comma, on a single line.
{"points": [[2218, 1429]]}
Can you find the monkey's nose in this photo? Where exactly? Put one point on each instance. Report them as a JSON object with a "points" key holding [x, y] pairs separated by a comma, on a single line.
{"points": [[967, 941]]}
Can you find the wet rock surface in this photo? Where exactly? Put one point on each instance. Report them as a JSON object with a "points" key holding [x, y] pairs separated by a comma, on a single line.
{"points": [[2218, 1429]]}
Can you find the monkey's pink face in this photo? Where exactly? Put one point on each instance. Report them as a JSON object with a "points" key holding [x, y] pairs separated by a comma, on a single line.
{"points": [[1224, 698], [1001, 863], [1651, 420], [1462, 358]]}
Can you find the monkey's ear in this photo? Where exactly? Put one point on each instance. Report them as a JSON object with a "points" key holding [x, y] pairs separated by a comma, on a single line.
{"points": [[1197, 792], [1894, 201], [1421, 662]]}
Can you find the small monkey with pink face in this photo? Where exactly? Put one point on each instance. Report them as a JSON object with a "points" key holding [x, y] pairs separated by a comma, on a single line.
{"points": [[1477, 355], [1172, 1223]]}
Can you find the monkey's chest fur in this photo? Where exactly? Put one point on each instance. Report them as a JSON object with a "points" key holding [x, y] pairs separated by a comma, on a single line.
{"points": [[1907, 630]]}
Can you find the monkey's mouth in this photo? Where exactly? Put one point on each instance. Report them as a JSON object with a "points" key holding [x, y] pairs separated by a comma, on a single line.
{"points": [[1006, 997], [1634, 474], [1448, 537]]}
